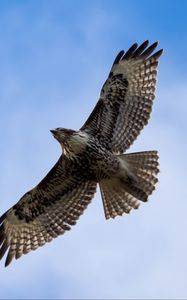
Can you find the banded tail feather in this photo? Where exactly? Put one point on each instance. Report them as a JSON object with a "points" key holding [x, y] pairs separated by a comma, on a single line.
{"points": [[119, 197]]}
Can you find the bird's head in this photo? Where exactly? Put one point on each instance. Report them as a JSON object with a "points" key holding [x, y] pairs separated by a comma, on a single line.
{"points": [[70, 140], [62, 135]]}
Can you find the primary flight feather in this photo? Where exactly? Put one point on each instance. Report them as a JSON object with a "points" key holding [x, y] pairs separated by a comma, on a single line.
{"points": [[90, 156]]}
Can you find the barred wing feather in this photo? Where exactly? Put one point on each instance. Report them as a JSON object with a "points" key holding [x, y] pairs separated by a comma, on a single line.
{"points": [[126, 98], [45, 212]]}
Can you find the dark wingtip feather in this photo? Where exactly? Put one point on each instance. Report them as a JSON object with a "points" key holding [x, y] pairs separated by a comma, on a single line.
{"points": [[9, 258], [140, 49], [6, 264], [130, 51], [149, 50], [157, 54], [146, 43], [118, 57], [18, 255]]}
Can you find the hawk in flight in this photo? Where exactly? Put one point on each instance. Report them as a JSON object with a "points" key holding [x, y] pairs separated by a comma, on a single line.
{"points": [[93, 155]]}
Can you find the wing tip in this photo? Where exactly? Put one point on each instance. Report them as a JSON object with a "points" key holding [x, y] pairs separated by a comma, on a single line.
{"points": [[142, 51], [4, 243], [118, 57], [8, 261], [130, 51], [157, 54], [139, 51]]}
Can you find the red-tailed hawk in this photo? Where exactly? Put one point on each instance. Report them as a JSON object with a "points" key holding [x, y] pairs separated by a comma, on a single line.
{"points": [[90, 156]]}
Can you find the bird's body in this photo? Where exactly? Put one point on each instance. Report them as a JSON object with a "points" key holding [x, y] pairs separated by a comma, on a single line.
{"points": [[90, 156]]}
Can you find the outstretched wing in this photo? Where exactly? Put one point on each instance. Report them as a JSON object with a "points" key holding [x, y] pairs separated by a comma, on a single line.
{"points": [[126, 98], [46, 211]]}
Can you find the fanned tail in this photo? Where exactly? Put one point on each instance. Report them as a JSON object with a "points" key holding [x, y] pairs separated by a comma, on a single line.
{"points": [[119, 196]]}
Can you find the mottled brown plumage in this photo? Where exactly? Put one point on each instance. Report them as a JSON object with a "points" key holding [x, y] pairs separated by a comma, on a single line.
{"points": [[126, 98], [92, 155]]}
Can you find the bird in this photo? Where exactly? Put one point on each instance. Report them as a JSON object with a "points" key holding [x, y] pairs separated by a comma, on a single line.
{"points": [[95, 155]]}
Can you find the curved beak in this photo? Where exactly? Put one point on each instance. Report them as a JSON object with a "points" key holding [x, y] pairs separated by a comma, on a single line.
{"points": [[55, 133]]}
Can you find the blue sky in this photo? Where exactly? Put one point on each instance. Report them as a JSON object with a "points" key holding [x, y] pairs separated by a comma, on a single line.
{"points": [[54, 58]]}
